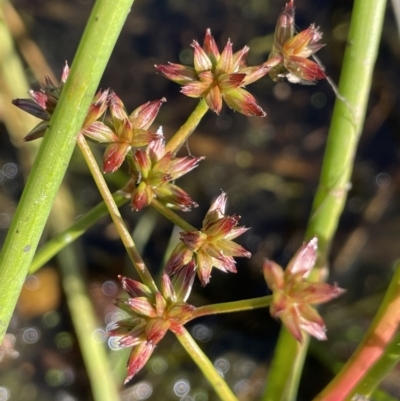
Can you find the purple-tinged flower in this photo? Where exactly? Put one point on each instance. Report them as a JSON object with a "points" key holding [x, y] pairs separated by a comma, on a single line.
{"points": [[293, 295], [210, 247], [216, 77], [153, 174], [290, 52], [43, 103], [151, 315], [127, 131]]}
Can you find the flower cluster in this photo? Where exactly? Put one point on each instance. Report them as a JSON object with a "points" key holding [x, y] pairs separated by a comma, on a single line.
{"points": [[216, 77], [152, 173], [289, 55], [293, 295], [153, 170], [151, 315], [210, 247], [43, 103]]}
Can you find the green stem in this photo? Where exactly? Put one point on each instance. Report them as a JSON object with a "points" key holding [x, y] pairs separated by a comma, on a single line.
{"points": [[347, 122], [171, 215], [66, 237], [83, 315], [116, 215], [229, 307], [351, 378], [101, 33], [208, 369], [176, 142]]}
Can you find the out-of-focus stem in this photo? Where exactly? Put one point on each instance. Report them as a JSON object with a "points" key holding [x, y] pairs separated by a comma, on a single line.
{"points": [[115, 214], [83, 315], [66, 237], [345, 130], [217, 382], [176, 142], [350, 379]]}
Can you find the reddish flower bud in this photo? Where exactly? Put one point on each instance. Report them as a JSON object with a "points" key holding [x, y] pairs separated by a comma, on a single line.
{"points": [[138, 358], [144, 115], [293, 295], [153, 170], [134, 288], [211, 246], [152, 315], [216, 77], [289, 55]]}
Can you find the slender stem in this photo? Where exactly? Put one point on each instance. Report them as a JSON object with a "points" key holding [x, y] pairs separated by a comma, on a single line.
{"points": [[176, 142], [101, 33], [82, 312], [347, 122], [229, 307], [115, 214], [217, 382], [380, 333], [66, 237], [171, 215]]}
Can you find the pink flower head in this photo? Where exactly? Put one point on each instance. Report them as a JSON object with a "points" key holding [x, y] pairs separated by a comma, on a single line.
{"points": [[153, 174], [43, 103], [151, 315], [212, 246], [290, 52], [218, 76], [126, 132], [293, 295]]}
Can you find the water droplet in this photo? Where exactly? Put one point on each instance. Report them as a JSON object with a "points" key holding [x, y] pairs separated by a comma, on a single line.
{"points": [[142, 390], [31, 335], [181, 387], [4, 394], [201, 332], [109, 288], [10, 170], [99, 335]]}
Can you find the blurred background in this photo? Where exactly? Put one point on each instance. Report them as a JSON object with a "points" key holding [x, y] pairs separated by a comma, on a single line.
{"points": [[268, 166]]}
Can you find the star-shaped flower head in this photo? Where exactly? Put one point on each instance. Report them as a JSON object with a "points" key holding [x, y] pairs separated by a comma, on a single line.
{"points": [[151, 315], [124, 132], [43, 103], [153, 174], [290, 53], [216, 77], [293, 295], [212, 246]]}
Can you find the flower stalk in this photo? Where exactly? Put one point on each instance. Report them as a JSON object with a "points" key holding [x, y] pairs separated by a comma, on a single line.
{"points": [[230, 307], [184, 132], [115, 214], [205, 365]]}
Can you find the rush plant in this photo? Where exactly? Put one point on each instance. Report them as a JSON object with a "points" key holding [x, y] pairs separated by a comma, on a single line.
{"points": [[217, 78]]}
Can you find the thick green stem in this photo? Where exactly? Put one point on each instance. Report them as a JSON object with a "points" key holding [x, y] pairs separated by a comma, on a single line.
{"points": [[350, 379], [116, 215], [101, 33], [347, 122], [176, 142], [229, 307], [208, 369]]}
